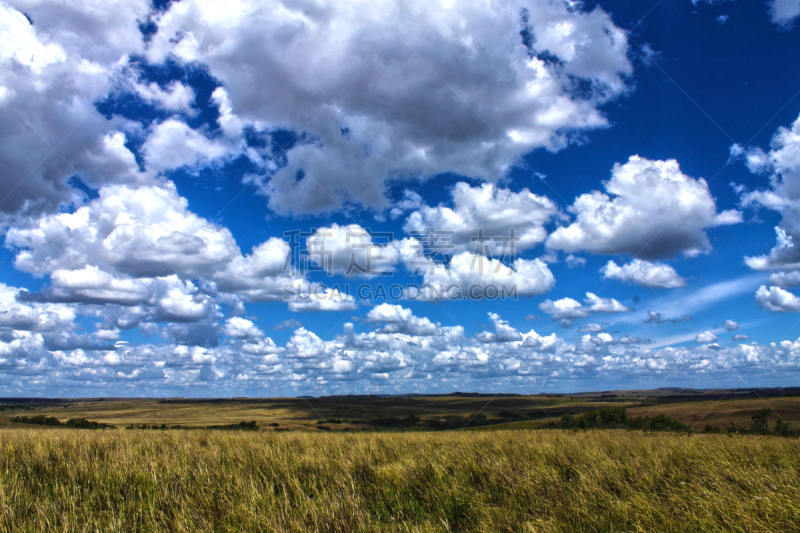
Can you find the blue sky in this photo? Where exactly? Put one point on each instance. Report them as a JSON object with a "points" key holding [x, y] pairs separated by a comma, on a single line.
{"points": [[155, 158]]}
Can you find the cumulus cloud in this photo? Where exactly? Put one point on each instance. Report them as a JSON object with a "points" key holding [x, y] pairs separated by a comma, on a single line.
{"points": [[782, 164], [322, 299], [289, 323], [478, 277], [176, 96], [24, 316], [656, 211], [351, 250], [52, 73], [784, 12], [777, 299], [730, 325], [503, 331], [265, 274], [241, 328], [705, 337], [644, 274], [173, 144], [740, 337], [369, 118], [142, 232], [567, 308], [374, 360], [397, 319], [497, 212], [785, 280]]}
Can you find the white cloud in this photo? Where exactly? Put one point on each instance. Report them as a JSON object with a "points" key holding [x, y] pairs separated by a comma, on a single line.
{"points": [[263, 346], [681, 304], [305, 344], [478, 277], [375, 361], [730, 325], [728, 217], [144, 232], [177, 96], [705, 337], [782, 165], [289, 323], [657, 211], [494, 210], [574, 261], [183, 304], [140, 248], [596, 304], [263, 275], [322, 299], [785, 280], [503, 331], [567, 308], [173, 144], [411, 201], [591, 328], [777, 299], [370, 117], [31, 316], [350, 250], [21, 45], [52, 73], [644, 274], [740, 337], [397, 319], [564, 308], [783, 12], [241, 328]]}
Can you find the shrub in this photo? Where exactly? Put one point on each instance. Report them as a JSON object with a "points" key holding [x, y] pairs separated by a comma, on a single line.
{"points": [[247, 426], [784, 429], [82, 423], [760, 419], [408, 421], [616, 417], [40, 420]]}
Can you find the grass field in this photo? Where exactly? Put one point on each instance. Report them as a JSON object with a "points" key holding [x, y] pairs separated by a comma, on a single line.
{"points": [[361, 475], [695, 408], [545, 481]]}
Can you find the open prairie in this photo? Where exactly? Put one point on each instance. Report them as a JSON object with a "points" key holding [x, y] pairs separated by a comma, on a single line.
{"points": [[458, 462], [695, 408], [546, 481]]}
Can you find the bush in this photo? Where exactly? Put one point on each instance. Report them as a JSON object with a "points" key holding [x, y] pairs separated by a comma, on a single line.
{"points": [[784, 429], [247, 426], [76, 423], [616, 417], [408, 421], [82, 423], [760, 420], [39, 420]]}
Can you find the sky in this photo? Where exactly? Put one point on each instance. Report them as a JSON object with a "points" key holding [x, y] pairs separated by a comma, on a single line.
{"points": [[209, 199]]}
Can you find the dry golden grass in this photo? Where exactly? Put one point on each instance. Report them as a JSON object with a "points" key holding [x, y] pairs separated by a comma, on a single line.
{"points": [[722, 413], [545, 481]]}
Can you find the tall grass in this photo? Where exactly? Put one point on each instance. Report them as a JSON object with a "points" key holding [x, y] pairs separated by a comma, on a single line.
{"points": [[555, 481]]}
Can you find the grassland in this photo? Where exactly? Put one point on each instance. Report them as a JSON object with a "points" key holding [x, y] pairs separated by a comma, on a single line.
{"points": [[70, 480], [695, 408], [282, 474]]}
